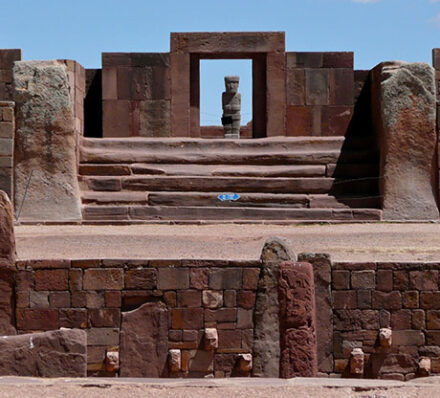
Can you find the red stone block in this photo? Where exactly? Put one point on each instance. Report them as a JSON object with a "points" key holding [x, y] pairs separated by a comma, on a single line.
{"points": [[344, 299], [341, 280], [22, 299], [276, 94], [172, 278], [388, 301], [221, 315], [104, 317], [8, 57], [364, 299], [198, 278], [37, 319], [141, 279], [187, 318], [299, 121], [410, 299], [250, 278], [170, 299], [103, 337], [230, 339], [116, 118], [401, 320], [424, 280], [48, 264], [245, 319], [335, 120], [338, 60], [110, 83], [296, 84], [190, 335], [430, 300], [230, 298], [401, 281], [59, 300], [304, 59], [112, 299], [246, 299], [317, 87], [418, 319], [104, 278], [75, 279], [175, 335], [436, 58], [51, 280], [95, 299], [73, 318], [24, 281], [189, 298], [384, 280], [79, 299], [225, 278], [363, 279], [341, 86]]}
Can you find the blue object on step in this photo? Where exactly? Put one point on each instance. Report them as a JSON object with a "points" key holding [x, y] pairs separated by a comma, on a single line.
{"points": [[229, 196]]}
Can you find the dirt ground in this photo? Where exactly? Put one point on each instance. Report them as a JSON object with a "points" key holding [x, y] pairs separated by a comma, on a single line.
{"points": [[12, 387], [356, 242]]}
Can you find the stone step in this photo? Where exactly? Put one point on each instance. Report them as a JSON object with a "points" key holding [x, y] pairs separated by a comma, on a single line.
{"points": [[211, 199], [231, 184], [167, 213]]}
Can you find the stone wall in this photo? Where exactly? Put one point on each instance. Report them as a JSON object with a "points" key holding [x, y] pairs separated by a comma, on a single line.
{"points": [[7, 59], [136, 96], [436, 65], [320, 89], [7, 129]]}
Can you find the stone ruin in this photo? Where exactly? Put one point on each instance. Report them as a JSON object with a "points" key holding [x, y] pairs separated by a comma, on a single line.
{"points": [[124, 144]]}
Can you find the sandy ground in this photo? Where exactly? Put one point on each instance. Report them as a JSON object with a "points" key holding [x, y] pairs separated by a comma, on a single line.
{"points": [[12, 387], [358, 242]]}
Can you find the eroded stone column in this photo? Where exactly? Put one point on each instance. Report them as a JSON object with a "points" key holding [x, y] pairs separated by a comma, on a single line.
{"points": [[7, 266], [404, 115]]}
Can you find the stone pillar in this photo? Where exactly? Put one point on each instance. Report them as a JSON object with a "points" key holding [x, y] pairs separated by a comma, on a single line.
{"points": [[45, 143], [7, 127], [266, 349], [296, 292], [404, 116], [7, 267]]}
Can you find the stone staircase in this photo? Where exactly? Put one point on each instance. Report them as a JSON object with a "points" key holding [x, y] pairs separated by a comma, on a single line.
{"points": [[274, 179]]}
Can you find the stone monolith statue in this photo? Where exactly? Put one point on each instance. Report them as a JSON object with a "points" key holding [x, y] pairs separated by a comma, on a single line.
{"points": [[231, 102]]}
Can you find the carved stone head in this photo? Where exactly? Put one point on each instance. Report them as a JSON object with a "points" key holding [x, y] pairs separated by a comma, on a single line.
{"points": [[231, 83]]}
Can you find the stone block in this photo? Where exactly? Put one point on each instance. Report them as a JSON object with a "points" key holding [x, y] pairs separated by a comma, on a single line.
{"points": [[99, 279], [424, 280], [363, 279], [401, 320], [433, 319], [364, 299], [317, 87], [384, 280], [58, 353], [93, 299], [59, 300], [404, 101], [103, 336], [430, 300], [109, 83], [225, 278], [172, 278], [73, 318], [154, 118], [229, 339], [201, 361], [45, 106], [401, 280], [410, 299], [341, 86], [37, 318], [299, 120], [8, 57], [104, 317], [198, 278], [344, 299], [212, 298], [189, 298], [116, 118], [38, 299], [221, 315], [337, 60], [141, 279], [79, 299], [436, 58], [250, 278], [246, 299], [336, 119], [341, 280], [174, 360], [6, 130], [75, 279], [388, 301], [170, 299], [187, 318], [418, 319], [296, 84], [304, 59], [245, 319], [211, 339], [230, 298], [408, 338], [51, 279]]}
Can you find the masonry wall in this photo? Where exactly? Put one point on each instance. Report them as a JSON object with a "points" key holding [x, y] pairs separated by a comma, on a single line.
{"points": [[7, 59], [436, 65], [136, 95], [92, 294], [7, 129]]}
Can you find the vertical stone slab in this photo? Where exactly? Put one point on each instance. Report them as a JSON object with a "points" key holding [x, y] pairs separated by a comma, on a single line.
{"points": [[404, 114], [45, 143], [322, 269], [7, 266], [266, 349], [296, 294], [144, 341], [276, 94], [7, 129], [180, 93]]}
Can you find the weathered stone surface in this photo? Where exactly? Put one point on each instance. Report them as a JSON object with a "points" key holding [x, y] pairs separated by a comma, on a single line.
{"points": [[211, 339], [266, 361], [296, 292], [175, 360], [7, 266], [404, 115], [45, 142], [357, 360], [58, 353], [144, 341]]}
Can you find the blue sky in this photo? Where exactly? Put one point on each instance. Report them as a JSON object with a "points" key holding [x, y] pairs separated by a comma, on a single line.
{"points": [[376, 30]]}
